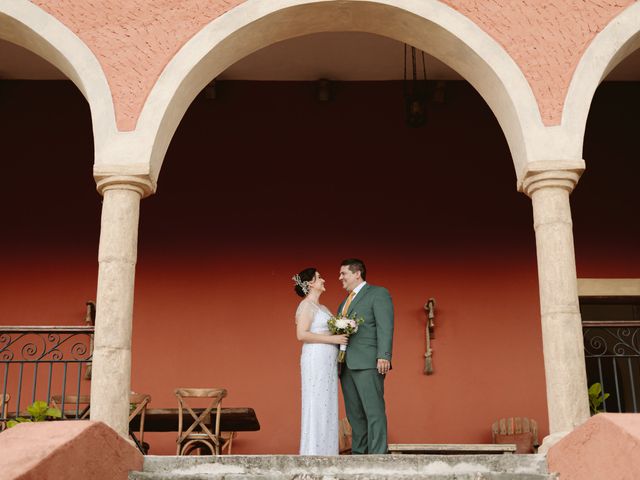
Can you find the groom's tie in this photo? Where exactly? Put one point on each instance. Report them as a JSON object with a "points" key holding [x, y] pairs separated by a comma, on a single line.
{"points": [[345, 308]]}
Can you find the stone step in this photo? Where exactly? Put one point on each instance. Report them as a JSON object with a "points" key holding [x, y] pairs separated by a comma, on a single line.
{"points": [[304, 476], [289, 467]]}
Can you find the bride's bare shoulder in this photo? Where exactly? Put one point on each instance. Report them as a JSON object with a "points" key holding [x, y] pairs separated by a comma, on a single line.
{"points": [[306, 306]]}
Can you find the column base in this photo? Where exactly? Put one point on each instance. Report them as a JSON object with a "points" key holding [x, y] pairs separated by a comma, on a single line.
{"points": [[550, 440]]}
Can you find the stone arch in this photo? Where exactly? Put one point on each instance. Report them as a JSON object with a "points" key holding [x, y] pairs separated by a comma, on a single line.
{"points": [[26, 25], [427, 24], [611, 46]]}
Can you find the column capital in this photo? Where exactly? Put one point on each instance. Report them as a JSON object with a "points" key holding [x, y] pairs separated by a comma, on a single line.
{"points": [[551, 173], [141, 184]]}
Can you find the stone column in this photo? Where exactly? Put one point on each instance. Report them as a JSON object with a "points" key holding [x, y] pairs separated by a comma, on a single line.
{"points": [[117, 253], [565, 371]]}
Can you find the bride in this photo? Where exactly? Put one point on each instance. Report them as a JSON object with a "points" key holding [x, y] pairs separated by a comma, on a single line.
{"points": [[318, 367]]}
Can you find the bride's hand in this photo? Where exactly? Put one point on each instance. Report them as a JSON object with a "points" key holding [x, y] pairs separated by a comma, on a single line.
{"points": [[340, 339]]}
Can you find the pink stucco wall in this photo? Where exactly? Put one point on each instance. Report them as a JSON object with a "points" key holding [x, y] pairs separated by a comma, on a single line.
{"points": [[134, 41], [606, 446], [73, 450], [546, 38]]}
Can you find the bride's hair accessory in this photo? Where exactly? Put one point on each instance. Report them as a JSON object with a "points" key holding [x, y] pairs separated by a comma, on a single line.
{"points": [[303, 285]]}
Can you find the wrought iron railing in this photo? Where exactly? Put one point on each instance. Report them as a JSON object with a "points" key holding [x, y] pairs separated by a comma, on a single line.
{"points": [[612, 353], [39, 363]]}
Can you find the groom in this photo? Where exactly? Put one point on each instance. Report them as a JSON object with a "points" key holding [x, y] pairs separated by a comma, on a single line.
{"points": [[368, 358]]}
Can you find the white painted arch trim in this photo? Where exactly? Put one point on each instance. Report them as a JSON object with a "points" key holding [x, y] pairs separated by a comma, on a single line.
{"points": [[427, 24], [27, 25], [609, 47]]}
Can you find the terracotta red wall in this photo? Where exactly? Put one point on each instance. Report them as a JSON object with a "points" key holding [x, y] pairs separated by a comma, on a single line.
{"points": [[259, 184]]}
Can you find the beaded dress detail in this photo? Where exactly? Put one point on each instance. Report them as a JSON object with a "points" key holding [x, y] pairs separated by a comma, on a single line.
{"points": [[319, 379]]}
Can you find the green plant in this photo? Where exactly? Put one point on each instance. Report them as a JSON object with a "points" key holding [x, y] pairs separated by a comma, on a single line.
{"points": [[39, 412], [596, 397]]}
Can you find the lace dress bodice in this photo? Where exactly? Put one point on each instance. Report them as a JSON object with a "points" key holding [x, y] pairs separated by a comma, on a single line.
{"points": [[321, 315]]}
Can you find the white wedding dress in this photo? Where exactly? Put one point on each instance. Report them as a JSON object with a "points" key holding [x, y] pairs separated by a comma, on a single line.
{"points": [[319, 375]]}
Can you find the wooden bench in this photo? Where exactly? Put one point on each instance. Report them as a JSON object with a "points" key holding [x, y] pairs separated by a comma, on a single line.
{"points": [[451, 449]]}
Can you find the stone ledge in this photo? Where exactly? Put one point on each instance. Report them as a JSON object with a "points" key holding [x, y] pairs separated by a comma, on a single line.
{"points": [[345, 464], [340, 476]]}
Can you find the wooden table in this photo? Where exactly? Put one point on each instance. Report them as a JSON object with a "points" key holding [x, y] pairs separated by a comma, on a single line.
{"points": [[166, 420]]}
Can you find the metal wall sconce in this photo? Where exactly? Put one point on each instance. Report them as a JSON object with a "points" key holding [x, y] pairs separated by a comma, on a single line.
{"points": [[439, 92], [90, 321], [415, 90], [323, 90], [430, 308]]}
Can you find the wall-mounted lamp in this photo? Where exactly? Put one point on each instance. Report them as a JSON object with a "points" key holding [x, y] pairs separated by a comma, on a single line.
{"points": [[439, 92], [430, 308], [90, 321], [323, 90]]}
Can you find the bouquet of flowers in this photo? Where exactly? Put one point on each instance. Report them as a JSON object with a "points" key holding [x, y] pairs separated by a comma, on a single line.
{"points": [[344, 325]]}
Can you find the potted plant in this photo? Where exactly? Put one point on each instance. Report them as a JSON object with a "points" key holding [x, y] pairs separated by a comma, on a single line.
{"points": [[39, 411], [596, 397]]}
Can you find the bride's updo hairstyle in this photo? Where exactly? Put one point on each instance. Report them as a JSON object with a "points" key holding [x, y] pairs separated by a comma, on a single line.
{"points": [[301, 279]]}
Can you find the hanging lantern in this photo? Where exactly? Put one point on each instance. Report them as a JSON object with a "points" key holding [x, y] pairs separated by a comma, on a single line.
{"points": [[415, 90]]}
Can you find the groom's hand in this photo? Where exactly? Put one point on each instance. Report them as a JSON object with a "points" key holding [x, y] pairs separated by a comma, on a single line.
{"points": [[383, 366]]}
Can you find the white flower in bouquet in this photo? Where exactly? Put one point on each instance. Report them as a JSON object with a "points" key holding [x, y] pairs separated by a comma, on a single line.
{"points": [[344, 325]]}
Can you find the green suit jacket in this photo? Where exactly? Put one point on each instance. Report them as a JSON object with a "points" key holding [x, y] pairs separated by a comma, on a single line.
{"points": [[374, 337]]}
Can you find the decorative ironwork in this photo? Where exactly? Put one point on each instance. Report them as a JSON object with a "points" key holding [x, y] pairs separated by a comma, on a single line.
{"points": [[612, 354], [42, 344], [612, 342], [49, 360]]}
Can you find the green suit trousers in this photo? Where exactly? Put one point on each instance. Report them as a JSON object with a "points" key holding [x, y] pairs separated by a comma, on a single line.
{"points": [[363, 392]]}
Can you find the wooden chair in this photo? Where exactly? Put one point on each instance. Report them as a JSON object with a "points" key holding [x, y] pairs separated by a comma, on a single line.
{"points": [[344, 437], [72, 406], [198, 434], [139, 402], [521, 431], [227, 441], [78, 406], [4, 406]]}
